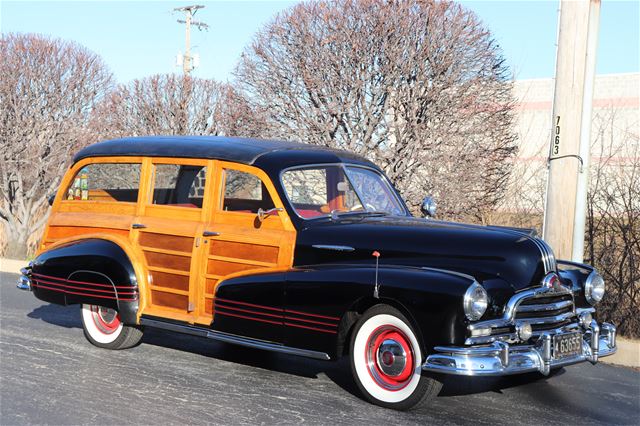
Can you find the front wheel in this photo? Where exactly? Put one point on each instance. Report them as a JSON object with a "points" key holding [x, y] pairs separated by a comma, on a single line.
{"points": [[103, 328], [386, 360]]}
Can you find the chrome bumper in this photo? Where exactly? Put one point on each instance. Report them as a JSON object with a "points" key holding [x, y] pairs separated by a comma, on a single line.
{"points": [[500, 358], [24, 282]]}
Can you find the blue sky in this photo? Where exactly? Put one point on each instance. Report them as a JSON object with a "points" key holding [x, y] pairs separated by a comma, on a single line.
{"points": [[140, 38]]}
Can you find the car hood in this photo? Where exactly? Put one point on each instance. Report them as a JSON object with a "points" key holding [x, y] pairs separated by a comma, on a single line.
{"points": [[483, 252]]}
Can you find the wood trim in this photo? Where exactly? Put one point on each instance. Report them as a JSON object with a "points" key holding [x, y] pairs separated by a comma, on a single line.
{"points": [[165, 251], [163, 279], [96, 207], [164, 299], [58, 232], [168, 261], [181, 243], [168, 270], [169, 290], [112, 221], [243, 261]]}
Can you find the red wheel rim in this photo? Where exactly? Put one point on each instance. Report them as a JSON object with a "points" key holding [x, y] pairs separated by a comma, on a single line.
{"points": [[389, 358], [106, 320]]}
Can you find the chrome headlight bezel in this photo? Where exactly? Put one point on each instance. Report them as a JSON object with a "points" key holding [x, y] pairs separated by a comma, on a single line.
{"points": [[475, 302], [594, 288]]}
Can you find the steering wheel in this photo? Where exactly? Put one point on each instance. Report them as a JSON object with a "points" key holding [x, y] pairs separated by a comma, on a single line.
{"points": [[359, 206]]}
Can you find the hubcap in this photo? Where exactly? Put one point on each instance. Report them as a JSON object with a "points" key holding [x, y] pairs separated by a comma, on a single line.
{"points": [[389, 358], [106, 319]]}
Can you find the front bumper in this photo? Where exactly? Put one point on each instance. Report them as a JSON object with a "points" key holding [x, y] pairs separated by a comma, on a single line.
{"points": [[500, 358]]}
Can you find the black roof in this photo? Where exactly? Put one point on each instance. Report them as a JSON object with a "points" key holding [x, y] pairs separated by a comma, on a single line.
{"points": [[240, 150]]}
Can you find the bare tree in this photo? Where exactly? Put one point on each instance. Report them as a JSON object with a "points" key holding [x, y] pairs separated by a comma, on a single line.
{"points": [[613, 221], [418, 87], [177, 105], [47, 91]]}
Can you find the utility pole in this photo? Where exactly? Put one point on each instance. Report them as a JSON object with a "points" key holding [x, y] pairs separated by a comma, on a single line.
{"points": [[190, 11], [569, 151]]}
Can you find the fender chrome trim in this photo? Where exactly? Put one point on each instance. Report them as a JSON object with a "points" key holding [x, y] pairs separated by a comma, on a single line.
{"points": [[232, 338], [333, 247]]}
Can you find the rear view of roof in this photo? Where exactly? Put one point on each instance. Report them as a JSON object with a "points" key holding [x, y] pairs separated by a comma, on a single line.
{"points": [[238, 150]]}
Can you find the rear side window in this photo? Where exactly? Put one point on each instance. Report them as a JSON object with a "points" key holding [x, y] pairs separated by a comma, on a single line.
{"points": [[244, 192], [179, 185], [106, 182]]}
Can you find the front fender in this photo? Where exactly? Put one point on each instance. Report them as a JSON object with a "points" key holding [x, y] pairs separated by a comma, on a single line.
{"points": [[430, 298], [92, 271]]}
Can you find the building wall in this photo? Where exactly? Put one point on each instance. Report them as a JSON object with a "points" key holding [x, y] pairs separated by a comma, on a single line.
{"points": [[615, 128]]}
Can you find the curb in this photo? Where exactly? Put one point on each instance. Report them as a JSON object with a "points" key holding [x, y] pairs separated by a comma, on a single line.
{"points": [[628, 353], [12, 266]]}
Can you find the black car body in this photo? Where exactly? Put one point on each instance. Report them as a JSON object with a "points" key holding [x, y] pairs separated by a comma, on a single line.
{"points": [[476, 300]]}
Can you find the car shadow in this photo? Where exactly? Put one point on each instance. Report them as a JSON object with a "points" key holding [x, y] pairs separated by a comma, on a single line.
{"points": [[463, 385], [64, 316], [339, 372]]}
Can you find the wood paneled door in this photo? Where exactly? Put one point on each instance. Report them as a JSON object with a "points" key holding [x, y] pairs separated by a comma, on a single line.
{"points": [[238, 241], [169, 232]]}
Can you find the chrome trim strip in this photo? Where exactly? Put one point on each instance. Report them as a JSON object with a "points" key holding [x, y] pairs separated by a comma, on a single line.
{"points": [[115, 290], [231, 338], [333, 247], [450, 272], [548, 320], [545, 307]]}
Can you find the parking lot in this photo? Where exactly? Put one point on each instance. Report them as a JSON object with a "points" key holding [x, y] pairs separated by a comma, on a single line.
{"points": [[51, 374]]}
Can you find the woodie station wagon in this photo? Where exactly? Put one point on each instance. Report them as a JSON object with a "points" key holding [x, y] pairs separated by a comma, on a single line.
{"points": [[307, 251]]}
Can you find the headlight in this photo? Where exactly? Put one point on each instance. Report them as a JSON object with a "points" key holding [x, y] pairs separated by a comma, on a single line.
{"points": [[475, 301], [594, 288]]}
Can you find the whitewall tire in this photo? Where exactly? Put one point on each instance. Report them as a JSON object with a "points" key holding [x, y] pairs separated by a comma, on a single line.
{"points": [[386, 360], [103, 328]]}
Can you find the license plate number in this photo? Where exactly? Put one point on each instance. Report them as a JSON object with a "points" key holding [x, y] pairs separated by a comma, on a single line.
{"points": [[566, 345]]}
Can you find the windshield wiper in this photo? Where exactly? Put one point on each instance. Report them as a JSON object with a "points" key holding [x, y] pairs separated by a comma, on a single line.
{"points": [[335, 214]]}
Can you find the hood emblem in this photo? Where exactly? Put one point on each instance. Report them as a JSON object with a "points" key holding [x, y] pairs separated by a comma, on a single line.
{"points": [[552, 281]]}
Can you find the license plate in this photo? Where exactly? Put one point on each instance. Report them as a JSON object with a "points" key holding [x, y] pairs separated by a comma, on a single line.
{"points": [[567, 345]]}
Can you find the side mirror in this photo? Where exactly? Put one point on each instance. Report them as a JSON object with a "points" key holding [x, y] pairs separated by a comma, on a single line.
{"points": [[428, 207], [51, 198], [263, 214]]}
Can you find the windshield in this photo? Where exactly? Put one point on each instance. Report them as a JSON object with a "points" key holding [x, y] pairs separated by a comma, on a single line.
{"points": [[335, 189]]}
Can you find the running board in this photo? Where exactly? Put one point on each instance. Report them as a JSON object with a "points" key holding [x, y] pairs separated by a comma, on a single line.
{"points": [[231, 338]]}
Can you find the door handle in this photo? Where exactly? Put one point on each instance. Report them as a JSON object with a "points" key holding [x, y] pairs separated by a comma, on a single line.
{"points": [[210, 234], [138, 226]]}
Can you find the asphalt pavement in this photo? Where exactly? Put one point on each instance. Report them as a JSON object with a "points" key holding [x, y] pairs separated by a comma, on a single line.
{"points": [[50, 374]]}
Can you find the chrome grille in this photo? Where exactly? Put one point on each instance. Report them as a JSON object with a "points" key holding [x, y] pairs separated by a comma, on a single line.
{"points": [[546, 313], [546, 309]]}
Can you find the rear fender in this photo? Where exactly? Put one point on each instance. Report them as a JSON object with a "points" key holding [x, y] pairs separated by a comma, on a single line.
{"points": [[92, 271]]}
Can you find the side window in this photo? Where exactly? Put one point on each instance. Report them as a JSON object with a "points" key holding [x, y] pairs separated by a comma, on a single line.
{"points": [[306, 186], [244, 192], [106, 182], [178, 185]]}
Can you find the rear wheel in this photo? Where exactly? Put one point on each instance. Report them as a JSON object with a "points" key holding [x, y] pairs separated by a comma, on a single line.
{"points": [[103, 328], [386, 360]]}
